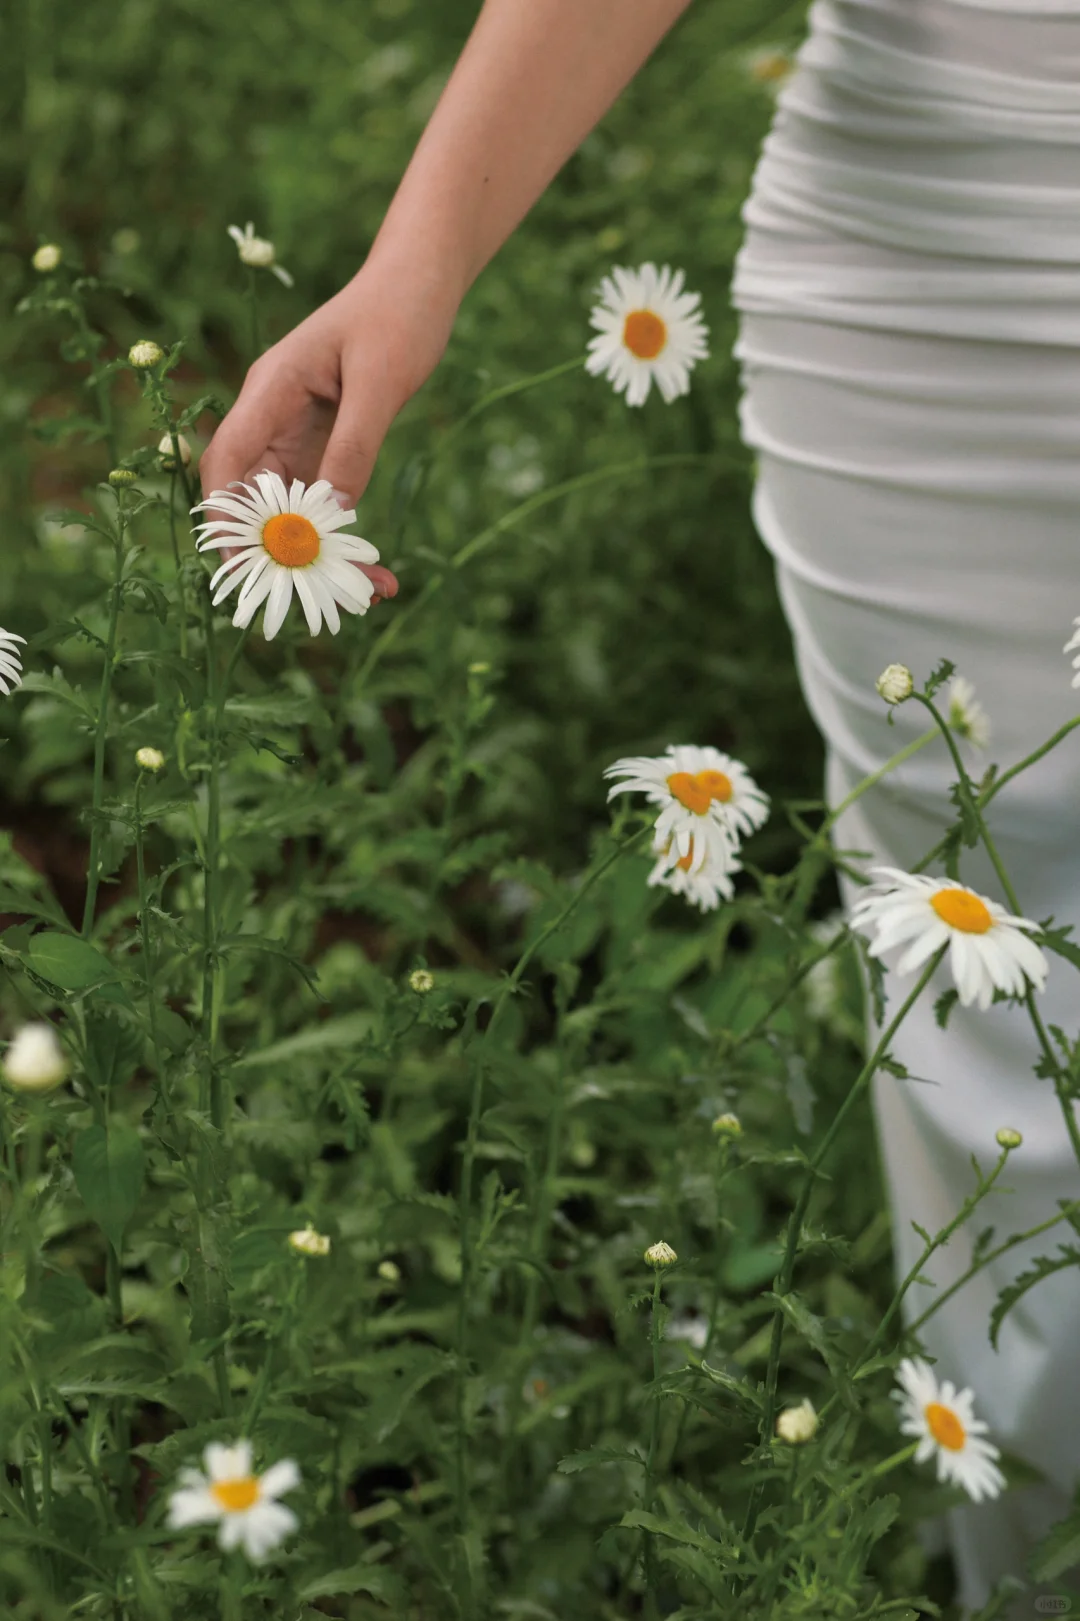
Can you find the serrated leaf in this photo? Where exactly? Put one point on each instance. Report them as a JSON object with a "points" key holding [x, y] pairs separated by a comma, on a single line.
{"points": [[363, 1578], [1058, 1552], [594, 1457], [1044, 1267], [108, 1167], [329, 1035], [229, 944]]}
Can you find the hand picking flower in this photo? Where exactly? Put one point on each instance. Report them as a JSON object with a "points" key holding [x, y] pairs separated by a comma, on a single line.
{"points": [[288, 539], [10, 667], [243, 1504], [258, 252], [945, 1423], [988, 948], [708, 801], [650, 331]]}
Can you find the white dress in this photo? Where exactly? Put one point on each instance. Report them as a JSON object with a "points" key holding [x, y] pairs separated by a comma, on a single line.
{"points": [[909, 294]]}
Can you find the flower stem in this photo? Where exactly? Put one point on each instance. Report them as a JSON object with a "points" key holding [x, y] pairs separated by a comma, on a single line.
{"points": [[144, 930], [181, 593], [649, 1490], [101, 729]]}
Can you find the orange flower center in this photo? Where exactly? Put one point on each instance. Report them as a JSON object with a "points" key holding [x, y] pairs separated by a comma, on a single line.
{"points": [[291, 540], [685, 862], [962, 910], [944, 1426], [644, 334], [697, 792], [236, 1495]]}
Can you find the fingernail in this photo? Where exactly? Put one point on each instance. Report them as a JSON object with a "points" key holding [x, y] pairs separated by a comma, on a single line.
{"points": [[342, 499]]}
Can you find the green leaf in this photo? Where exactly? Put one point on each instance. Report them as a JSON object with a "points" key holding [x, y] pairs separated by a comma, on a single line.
{"points": [[1044, 1267], [230, 944], [593, 1457], [362, 1578], [1057, 1552], [68, 961], [108, 1168], [331, 1034]]}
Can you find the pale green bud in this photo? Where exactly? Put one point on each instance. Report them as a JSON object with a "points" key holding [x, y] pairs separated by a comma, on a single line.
{"points": [[660, 1254], [46, 258], [145, 354]]}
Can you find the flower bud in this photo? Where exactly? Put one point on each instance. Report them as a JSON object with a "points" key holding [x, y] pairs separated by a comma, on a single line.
{"points": [[121, 478], [895, 683], [308, 1242], [479, 667], [46, 258], [145, 354], [35, 1061], [727, 1125], [421, 981], [149, 759], [797, 1424], [1009, 1137], [165, 451], [660, 1254], [389, 1272]]}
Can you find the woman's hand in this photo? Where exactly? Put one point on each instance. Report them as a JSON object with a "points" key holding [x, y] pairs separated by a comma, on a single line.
{"points": [[319, 403]]}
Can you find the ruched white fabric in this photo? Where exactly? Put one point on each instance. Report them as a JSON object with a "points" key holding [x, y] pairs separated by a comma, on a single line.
{"points": [[909, 298]]}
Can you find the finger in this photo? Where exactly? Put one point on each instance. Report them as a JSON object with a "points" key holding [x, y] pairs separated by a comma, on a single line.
{"points": [[358, 433], [385, 583]]}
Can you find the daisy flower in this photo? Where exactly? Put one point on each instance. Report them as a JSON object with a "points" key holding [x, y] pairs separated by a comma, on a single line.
{"points": [[700, 792], [649, 329], [944, 1422], [967, 717], [287, 538], [988, 949], [10, 668], [257, 251], [1070, 647], [243, 1503], [703, 886]]}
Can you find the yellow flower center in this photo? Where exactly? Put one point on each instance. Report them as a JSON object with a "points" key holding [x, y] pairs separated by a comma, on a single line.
{"points": [[291, 540], [236, 1495], [772, 65], [644, 334], [962, 910], [697, 792], [944, 1426]]}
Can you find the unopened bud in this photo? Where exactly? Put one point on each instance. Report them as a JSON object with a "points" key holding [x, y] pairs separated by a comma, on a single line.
{"points": [[149, 759], [1009, 1137], [46, 258], [145, 354], [165, 451], [308, 1242], [35, 1061], [121, 478], [727, 1125], [660, 1254], [389, 1272], [895, 683], [797, 1424], [421, 981]]}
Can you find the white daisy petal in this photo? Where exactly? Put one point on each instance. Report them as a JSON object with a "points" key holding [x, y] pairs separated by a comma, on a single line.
{"points": [[280, 1477], [650, 331], [192, 1506], [943, 1420]]}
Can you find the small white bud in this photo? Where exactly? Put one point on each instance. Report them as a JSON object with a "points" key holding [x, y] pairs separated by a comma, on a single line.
{"points": [[149, 759], [35, 1061], [895, 683], [46, 258], [165, 450], [308, 1242], [660, 1254], [797, 1424], [727, 1125], [1009, 1137], [389, 1272], [421, 981], [145, 354]]}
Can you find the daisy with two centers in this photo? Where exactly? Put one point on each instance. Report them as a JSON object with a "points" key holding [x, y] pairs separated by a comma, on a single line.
{"points": [[10, 668], [288, 539], [703, 887], [649, 331], [707, 800], [988, 948], [945, 1424], [242, 1504]]}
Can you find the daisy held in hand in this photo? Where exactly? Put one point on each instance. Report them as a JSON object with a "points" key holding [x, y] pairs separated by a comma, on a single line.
{"points": [[707, 801], [988, 948], [945, 1424], [287, 539], [242, 1504], [650, 331]]}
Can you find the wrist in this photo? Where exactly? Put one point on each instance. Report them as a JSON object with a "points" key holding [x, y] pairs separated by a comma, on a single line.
{"points": [[412, 307]]}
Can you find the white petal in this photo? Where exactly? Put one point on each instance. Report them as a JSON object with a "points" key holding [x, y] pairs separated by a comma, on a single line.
{"points": [[277, 603], [280, 1477], [192, 1506]]}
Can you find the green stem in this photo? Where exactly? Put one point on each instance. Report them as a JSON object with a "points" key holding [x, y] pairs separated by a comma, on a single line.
{"points": [[795, 1222], [1071, 1209], [649, 1492], [103, 721], [144, 931], [875, 777], [180, 591]]}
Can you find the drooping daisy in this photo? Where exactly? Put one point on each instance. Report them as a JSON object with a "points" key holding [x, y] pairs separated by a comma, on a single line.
{"points": [[988, 949], [703, 886], [257, 251], [945, 1423], [649, 330], [287, 538], [243, 1503], [965, 715], [1070, 647], [10, 667], [708, 801]]}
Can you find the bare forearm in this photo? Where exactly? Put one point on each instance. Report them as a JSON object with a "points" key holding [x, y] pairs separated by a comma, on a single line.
{"points": [[532, 81]]}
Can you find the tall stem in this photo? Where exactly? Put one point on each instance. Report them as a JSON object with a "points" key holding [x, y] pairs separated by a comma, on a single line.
{"points": [[101, 729], [649, 1493]]}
